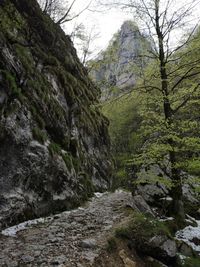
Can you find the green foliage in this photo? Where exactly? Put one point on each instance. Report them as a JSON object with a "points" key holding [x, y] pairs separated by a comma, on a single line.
{"points": [[54, 148], [190, 262], [10, 82], [26, 58], [193, 166], [10, 24], [39, 135], [126, 140], [124, 118], [141, 228], [68, 160], [87, 185], [149, 177], [111, 244]]}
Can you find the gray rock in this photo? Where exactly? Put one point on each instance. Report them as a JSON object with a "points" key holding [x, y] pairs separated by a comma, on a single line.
{"points": [[88, 243], [164, 247], [155, 262], [27, 259], [169, 247], [59, 260], [141, 205], [185, 249], [54, 146], [116, 70]]}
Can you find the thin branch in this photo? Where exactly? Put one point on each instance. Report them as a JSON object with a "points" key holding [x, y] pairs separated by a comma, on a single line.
{"points": [[185, 76], [186, 100]]}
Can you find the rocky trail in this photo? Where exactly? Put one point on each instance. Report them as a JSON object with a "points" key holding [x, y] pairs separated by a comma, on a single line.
{"points": [[69, 239]]}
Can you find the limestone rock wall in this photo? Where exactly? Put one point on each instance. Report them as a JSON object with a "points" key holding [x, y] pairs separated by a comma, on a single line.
{"points": [[54, 145], [119, 66]]}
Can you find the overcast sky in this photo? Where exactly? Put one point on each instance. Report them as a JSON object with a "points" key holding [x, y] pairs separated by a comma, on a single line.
{"points": [[107, 23]]}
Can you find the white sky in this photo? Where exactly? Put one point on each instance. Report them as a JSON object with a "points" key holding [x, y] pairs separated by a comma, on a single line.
{"points": [[106, 23]]}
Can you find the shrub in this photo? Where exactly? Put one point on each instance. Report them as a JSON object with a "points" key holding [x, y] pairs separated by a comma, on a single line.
{"points": [[111, 244], [54, 148], [141, 228]]}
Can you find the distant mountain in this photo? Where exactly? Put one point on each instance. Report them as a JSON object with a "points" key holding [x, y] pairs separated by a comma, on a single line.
{"points": [[119, 66]]}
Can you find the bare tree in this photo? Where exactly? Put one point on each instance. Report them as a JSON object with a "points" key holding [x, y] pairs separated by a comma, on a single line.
{"points": [[61, 12], [86, 47], [84, 41]]}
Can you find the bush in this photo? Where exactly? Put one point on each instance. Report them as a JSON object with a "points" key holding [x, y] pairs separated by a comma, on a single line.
{"points": [[141, 228], [111, 244]]}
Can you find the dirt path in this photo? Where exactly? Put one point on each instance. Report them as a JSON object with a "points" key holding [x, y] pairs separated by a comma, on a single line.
{"points": [[70, 239]]}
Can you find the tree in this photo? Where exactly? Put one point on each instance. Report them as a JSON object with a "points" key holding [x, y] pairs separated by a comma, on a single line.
{"points": [[172, 85], [61, 12], [83, 40]]}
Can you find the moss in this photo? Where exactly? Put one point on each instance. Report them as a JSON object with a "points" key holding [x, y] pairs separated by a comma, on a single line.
{"points": [[9, 80], [190, 262], [25, 56], [54, 148], [141, 228], [88, 187], [111, 244], [68, 160], [39, 135], [11, 109], [37, 117], [40, 121], [11, 20], [76, 163], [13, 89], [122, 232], [46, 58]]}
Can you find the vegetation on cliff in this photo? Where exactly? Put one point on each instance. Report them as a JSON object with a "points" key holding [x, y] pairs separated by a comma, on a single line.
{"points": [[54, 142]]}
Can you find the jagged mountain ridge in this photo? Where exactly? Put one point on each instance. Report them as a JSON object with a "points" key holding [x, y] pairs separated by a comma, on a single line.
{"points": [[119, 66], [54, 141]]}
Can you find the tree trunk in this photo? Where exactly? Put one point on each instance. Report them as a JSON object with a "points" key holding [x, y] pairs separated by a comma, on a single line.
{"points": [[177, 208]]}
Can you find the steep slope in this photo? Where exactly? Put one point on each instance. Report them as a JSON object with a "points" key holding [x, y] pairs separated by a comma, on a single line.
{"points": [[119, 66], [54, 142]]}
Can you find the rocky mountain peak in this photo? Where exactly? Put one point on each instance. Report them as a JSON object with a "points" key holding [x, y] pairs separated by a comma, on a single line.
{"points": [[118, 67]]}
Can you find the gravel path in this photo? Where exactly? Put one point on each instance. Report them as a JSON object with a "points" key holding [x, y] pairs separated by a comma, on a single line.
{"points": [[69, 239]]}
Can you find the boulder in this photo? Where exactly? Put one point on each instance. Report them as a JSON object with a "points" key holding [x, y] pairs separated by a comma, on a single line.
{"points": [[162, 248]]}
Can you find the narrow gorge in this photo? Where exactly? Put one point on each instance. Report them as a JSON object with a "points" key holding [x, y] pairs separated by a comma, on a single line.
{"points": [[99, 160]]}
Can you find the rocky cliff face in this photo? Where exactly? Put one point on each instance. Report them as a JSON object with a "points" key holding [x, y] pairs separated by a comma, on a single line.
{"points": [[119, 66], [53, 140]]}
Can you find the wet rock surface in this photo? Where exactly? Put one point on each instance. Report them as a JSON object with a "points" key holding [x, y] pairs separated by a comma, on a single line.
{"points": [[71, 239]]}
